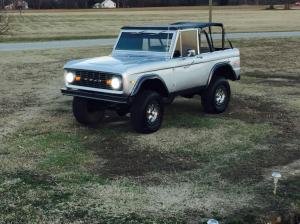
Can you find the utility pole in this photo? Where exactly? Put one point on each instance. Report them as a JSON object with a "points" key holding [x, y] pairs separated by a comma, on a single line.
{"points": [[287, 5], [210, 10]]}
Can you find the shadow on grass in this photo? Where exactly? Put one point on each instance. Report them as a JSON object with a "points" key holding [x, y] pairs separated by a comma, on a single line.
{"points": [[122, 158], [120, 155], [271, 79]]}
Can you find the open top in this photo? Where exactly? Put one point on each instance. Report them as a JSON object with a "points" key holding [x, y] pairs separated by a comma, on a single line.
{"points": [[175, 40]]}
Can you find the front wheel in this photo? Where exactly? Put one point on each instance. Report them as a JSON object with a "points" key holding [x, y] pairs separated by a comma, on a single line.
{"points": [[147, 112], [216, 97], [87, 112]]}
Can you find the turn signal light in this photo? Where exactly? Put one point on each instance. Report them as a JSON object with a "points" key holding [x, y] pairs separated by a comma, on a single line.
{"points": [[108, 82]]}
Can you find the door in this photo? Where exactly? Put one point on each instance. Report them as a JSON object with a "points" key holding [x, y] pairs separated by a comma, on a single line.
{"points": [[187, 66]]}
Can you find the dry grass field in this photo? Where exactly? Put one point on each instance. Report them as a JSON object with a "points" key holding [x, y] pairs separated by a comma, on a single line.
{"points": [[72, 24], [52, 170]]}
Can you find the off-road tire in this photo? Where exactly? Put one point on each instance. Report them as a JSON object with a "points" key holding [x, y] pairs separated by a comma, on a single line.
{"points": [[140, 112], [210, 98], [87, 112]]}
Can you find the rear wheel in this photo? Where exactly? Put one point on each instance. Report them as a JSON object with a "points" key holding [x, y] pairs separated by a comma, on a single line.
{"points": [[147, 112], [216, 97], [87, 112]]}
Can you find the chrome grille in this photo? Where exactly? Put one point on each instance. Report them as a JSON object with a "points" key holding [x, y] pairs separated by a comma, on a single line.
{"points": [[93, 79]]}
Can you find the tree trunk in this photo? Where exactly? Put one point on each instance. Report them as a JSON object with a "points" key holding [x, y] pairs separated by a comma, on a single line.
{"points": [[287, 5]]}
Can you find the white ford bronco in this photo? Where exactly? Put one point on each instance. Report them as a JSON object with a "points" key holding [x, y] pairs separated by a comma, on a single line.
{"points": [[150, 66]]}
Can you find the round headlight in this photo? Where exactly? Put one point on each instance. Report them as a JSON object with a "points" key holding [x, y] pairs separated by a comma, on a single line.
{"points": [[70, 77], [116, 83]]}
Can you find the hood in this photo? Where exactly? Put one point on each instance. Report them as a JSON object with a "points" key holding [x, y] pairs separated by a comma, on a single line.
{"points": [[113, 64]]}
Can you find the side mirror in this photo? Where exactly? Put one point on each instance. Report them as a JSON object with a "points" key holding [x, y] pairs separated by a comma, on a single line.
{"points": [[191, 53]]}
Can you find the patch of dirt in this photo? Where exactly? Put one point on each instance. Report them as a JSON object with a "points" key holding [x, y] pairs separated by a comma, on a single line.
{"points": [[278, 150], [252, 168], [274, 80], [294, 93], [277, 82], [294, 77], [18, 108], [254, 109], [119, 157], [19, 102], [13, 121]]}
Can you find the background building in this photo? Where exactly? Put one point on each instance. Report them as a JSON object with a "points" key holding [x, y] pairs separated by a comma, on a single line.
{"points": [[108, 4]]}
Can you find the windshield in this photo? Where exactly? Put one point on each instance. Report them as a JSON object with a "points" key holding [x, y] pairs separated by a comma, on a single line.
{"points": [[133, 41]]}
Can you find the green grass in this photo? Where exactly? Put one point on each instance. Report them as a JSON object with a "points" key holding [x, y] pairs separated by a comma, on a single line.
{"points": [[66, 170], [196, 167], [82, 24]]}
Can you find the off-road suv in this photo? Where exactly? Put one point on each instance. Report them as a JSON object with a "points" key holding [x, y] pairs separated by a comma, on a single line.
{"points": [[148, 67]]}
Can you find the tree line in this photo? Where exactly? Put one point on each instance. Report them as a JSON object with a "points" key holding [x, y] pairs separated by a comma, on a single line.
{"points": [[68, 4]]}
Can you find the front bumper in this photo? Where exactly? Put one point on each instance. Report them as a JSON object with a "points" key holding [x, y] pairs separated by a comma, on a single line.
{"points": [[105, 97]]}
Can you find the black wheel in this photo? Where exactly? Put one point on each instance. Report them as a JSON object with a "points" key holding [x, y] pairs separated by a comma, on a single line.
{"points": [[147, 112], [87, 112], [216, 97]]}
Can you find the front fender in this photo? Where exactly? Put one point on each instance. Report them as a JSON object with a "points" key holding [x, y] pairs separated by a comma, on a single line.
{"points": [[161, 87]]}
